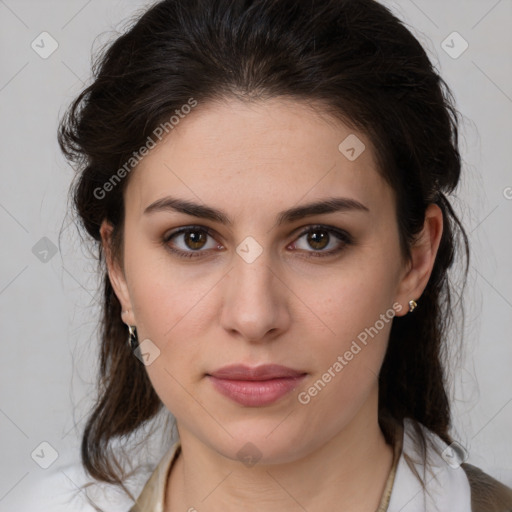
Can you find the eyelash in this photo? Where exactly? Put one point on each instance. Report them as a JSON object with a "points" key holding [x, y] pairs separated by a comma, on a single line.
{"points": [[340, 234]]}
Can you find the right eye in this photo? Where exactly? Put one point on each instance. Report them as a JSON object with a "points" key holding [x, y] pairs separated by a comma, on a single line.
{"points": [[193, 239]]}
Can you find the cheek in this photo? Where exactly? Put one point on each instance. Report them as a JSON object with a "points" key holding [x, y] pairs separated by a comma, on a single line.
{"points": [[348, 301], [170, 308], [170, 315], [167, 298], [353, 318], [347, 363]]}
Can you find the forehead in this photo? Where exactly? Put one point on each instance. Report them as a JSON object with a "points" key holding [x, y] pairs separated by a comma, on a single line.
{"points": [[274, 150]]}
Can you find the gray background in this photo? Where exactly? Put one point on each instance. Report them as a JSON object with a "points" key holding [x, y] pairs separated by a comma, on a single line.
{"points": [[49, 309]]}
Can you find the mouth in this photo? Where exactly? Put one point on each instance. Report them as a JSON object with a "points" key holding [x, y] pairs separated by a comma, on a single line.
{"points": [[255, 386]]}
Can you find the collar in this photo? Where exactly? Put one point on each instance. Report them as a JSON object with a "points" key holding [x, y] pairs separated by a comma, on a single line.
{"points": [[152, 497], [447, 487]]}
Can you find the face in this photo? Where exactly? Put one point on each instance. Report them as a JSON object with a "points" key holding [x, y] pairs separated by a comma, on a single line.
{"points": [[313, 293]]}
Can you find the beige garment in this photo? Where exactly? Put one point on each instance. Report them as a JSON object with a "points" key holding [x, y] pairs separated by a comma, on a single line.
{"points": [[152, 497]]}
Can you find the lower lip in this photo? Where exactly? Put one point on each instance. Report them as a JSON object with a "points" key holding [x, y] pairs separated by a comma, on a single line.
{"points": [[254, 393]]}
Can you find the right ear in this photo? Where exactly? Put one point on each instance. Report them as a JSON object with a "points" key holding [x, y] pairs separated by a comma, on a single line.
{"points": [[116, 274]]}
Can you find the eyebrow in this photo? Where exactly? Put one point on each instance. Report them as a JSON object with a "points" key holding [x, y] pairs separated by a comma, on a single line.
{"points": [[328, 205]]}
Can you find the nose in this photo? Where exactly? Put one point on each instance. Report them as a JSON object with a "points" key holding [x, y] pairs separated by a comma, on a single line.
{"points": [[255, 304]]}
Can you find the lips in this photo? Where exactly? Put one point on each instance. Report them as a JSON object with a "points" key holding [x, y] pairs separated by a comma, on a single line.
{"points": [[255, 387], [264, 372]]}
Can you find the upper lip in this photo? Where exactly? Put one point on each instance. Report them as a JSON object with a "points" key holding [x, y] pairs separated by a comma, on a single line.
{"points": [[263, 372]]}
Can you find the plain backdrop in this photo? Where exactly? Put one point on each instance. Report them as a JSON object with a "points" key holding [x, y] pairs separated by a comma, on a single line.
{"points": [[48, 287]]}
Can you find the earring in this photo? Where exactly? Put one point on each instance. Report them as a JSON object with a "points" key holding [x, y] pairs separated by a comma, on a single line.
{"points": [[412, 305], [133, 341]]}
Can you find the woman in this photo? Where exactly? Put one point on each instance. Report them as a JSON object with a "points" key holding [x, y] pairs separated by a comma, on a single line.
{"points": [[267, 184]]}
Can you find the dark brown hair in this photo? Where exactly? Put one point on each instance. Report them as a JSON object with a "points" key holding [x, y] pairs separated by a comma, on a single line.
{"points": [[352, 59]]}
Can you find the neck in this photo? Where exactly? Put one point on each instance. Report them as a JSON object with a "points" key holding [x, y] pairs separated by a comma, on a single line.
{"points": [[351, 468]]}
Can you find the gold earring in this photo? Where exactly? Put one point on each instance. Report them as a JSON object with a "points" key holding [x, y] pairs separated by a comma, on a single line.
{"points": [[412, 305]]}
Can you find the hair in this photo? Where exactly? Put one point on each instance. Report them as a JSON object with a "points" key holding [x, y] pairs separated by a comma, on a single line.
{"points": [[351, 59]]}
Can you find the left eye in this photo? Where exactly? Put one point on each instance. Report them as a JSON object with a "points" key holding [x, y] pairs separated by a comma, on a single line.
{"points": [[317, 237], [320, 237]]}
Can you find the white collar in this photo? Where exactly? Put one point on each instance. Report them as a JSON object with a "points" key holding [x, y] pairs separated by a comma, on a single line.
{"points": [[448, 488]]}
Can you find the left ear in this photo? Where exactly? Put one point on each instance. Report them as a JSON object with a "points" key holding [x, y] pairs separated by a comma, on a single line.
{"points": [[423, 256]]}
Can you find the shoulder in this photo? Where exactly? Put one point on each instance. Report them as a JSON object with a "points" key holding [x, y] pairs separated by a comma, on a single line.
{"points": [[66, 489], [487, 493], [55, 490]]}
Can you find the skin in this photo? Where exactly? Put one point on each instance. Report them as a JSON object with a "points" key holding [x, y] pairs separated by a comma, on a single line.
{"points": [[253, 161]]}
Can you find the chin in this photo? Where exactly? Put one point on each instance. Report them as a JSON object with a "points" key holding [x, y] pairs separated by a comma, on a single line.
{"points": [[262, 444]]}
